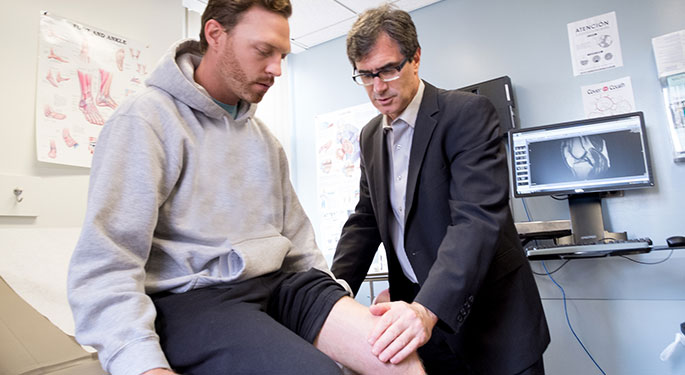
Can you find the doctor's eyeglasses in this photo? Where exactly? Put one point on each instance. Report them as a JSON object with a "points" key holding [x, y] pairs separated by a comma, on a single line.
{"points": [[386, 74]]}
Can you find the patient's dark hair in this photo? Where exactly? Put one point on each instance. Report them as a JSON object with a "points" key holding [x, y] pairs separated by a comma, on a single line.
{"points": [[384, 19], [229, 12]]}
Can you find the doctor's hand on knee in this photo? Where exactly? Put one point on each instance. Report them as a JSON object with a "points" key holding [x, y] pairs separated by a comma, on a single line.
{"points": [[401, 329]]}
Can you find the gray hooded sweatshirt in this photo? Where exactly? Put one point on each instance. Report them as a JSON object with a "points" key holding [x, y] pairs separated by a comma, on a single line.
{"points": [[181, 196]]}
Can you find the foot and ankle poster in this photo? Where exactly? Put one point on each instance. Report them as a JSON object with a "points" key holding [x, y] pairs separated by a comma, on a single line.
{"points": [[84, 73]]}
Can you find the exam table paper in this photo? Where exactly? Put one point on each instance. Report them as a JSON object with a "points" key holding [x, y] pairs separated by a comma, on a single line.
{"points": [[34, 263]]}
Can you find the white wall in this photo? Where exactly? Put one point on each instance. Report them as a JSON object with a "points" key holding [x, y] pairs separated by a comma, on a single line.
{"points": [[63, 189]]}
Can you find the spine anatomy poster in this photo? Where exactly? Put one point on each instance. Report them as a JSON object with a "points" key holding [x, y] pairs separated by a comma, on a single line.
{"points": [[83, 75]]}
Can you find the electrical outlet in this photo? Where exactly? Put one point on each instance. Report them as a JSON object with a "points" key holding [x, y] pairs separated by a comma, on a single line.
{"points": [[20, 195]]}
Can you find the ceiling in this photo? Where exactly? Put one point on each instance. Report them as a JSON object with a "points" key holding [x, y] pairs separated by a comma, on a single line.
{"points": [[317, 21]]}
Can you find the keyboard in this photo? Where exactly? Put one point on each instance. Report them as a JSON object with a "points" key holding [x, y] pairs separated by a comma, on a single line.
{"points": [[587, 250]]}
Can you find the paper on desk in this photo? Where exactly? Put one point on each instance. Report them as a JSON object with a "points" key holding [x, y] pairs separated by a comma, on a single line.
{"points": [[34, 263]]}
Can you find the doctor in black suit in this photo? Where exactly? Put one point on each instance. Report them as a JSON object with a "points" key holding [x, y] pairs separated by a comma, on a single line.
{"points": [[434, 191]]}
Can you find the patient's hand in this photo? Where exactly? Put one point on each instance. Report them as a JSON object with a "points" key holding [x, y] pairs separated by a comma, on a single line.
{"points": [[159, 371]]}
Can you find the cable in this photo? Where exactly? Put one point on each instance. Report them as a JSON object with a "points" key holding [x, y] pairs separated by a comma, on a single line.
{"points": [[569, 321], [550, 273], [648, 263], [525, 208]]}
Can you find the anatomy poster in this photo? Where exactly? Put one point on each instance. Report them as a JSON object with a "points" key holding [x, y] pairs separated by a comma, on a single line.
{"points": [[337, 175], [83, 75], [608, 98], [595, 44]]}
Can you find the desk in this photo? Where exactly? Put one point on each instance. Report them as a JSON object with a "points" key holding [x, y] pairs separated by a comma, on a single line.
{"points": [[542, 230], [591, 255]]}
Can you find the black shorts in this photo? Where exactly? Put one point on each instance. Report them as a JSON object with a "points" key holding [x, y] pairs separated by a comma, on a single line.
{"points": [[264, 325]]}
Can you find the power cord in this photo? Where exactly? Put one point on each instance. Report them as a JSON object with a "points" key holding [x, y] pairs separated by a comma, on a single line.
{"points": [[648, 263], [563, 294], [551, 273], [525, 208]]}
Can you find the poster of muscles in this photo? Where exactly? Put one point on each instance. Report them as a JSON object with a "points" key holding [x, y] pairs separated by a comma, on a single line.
{"points": [[338, 172], [83, 75]]}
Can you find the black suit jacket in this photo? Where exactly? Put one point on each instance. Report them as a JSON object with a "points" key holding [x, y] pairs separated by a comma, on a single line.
{"points": [[459, 235]]}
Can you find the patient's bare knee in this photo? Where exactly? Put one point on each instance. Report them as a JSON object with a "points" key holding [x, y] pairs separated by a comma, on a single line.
{"points": [[344, 338]]}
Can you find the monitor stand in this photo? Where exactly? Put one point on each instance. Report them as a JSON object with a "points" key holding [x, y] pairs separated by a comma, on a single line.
{"points": [[587, 223]]}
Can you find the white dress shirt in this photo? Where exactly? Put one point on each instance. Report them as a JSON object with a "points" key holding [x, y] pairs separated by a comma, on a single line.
{"points": [[398, 139]]}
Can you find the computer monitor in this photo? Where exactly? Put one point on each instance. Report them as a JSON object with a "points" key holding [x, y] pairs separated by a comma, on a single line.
{"points": [[500, 93], [582, 159]]}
